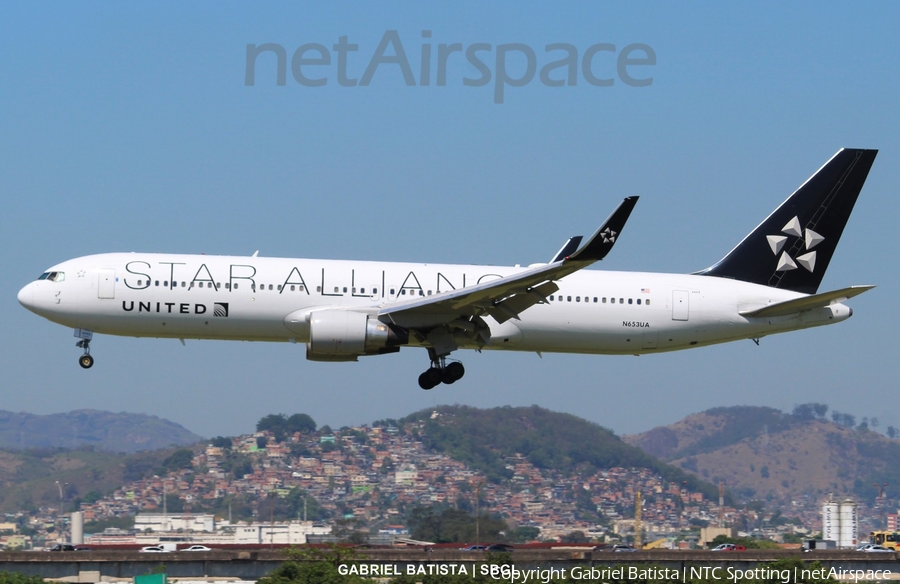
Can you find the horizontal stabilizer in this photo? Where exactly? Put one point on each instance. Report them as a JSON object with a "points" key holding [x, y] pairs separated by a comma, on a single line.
{"points": [[807, 302]]}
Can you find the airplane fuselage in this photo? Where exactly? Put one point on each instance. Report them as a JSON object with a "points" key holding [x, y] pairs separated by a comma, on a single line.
{"points": [[272, 299]]}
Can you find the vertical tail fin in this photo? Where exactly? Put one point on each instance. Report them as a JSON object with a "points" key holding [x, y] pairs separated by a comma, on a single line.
{"points": [[792, 247]]}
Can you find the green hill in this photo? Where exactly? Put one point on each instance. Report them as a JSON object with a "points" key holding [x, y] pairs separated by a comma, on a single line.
{"points": [[549, 440]]}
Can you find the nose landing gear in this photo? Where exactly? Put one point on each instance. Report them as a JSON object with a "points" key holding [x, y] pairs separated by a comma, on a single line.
{"points": [[441, 372], [86, 361]]}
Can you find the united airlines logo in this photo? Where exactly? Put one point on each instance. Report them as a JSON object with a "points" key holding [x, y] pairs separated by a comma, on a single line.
{"points": [[810, 240], [220, 309]]}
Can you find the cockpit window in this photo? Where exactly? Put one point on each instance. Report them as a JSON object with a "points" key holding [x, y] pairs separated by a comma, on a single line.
{"points": [[53, 276]]}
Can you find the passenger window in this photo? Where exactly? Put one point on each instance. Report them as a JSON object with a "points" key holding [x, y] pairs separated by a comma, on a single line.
{"points": [[235, 285], [604, 300], [621, 301], [595, 300], [578, 299], [184, 284], [639, 301], [300, 287], [647, 302], [318, 288], [392, 291], [292, 287], [345, 289], [551, 296], [612, 300], [156, 283], [375, 291], [568, 298], [166, 283], [337, 289], [403, 292], [227, 286]]}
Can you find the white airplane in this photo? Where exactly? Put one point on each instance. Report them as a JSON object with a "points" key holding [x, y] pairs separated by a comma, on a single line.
{"points": [[346, 309]]}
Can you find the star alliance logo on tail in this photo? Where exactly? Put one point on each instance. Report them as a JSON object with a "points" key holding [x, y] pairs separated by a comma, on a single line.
{"points": [[810, 240], [220, 309]]}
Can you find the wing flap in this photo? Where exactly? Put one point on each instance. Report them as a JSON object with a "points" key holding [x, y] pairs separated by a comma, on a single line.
{"points": [[806, 303], [514, 305]]}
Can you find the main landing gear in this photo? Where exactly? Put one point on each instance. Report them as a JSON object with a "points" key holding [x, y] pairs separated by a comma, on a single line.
{"points": [[441, 372], [85, 336]]}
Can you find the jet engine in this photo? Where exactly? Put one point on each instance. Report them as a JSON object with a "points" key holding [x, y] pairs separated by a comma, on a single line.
{"points": [[343, 335]]}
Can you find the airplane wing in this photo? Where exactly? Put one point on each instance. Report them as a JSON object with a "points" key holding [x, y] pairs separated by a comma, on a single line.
{"points": [[507, 297], [807, 302]]}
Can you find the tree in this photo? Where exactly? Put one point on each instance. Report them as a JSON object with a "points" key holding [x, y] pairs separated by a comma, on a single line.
{"points": [[574, 537], [525, 533], [301, 423], [221, 442], [181, 458], [271, 423], [454, 526], [891, 432], [810, 411]]}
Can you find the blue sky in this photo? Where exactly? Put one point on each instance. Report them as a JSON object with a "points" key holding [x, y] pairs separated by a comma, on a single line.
{"points": [[128, 127]]}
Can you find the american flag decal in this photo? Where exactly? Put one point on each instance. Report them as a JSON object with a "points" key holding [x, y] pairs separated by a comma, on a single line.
{"points": [[645, 290]]}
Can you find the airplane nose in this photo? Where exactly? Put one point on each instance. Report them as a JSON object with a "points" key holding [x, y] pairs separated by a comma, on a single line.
{"points": [[26, 297]]}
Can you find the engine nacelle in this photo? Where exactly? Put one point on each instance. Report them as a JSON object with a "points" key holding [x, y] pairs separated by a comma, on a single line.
{"points": [[344, 335]]}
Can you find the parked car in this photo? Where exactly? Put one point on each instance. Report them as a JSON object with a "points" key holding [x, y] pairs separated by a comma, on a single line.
{"points": [[154, 549], [62, 547], [197, 548], [728, 547], [474, 548], [500, 547]]}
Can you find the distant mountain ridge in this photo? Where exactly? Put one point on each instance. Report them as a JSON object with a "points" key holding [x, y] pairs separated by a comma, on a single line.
{"points": [[108, 431], [762, 452]]}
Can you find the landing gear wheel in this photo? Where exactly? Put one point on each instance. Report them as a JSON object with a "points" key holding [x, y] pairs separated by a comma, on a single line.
{"points": [[441, 372], [446, 377], [455, 371], [86, 361], [430, 378]]}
